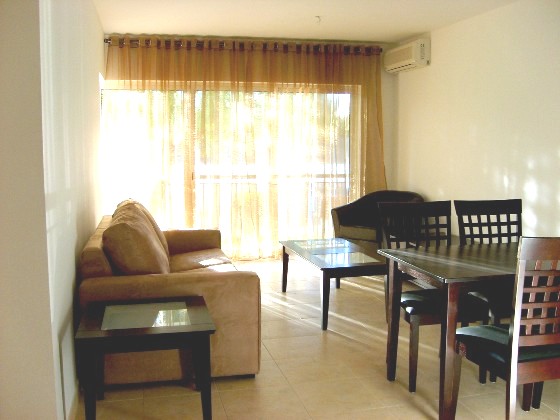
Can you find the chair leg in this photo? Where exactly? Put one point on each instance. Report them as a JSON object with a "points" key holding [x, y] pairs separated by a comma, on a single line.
{"points": [[527, 397], [537, 394], [481, 369], [386, 281], [413, 353], [494, 321], [482, 374]]}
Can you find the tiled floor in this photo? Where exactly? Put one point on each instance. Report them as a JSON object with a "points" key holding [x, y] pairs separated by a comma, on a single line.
{"points": [[308, 373]]}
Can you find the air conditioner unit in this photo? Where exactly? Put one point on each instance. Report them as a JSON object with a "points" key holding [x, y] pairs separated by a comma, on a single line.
{"points": [[409, 56]]}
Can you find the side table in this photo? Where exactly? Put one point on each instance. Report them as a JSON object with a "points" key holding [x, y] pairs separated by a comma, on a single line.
{"points": [[143, 325]]}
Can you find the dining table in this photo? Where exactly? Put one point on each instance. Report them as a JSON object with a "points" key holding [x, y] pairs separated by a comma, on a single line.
{"points": [[455, 269]]}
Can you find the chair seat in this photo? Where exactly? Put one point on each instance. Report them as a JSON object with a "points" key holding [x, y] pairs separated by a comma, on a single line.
{"points": [[492, 340], [499, 301], [431, 301]]}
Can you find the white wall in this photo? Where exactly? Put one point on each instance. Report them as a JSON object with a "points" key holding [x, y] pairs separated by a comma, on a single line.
{"points": [[72, 58], [49, 134], [389, 93], [26, 352], [482, 121]]}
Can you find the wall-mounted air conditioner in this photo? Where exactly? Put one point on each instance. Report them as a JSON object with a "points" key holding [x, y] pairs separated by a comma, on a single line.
{"points": [[409, 56]]}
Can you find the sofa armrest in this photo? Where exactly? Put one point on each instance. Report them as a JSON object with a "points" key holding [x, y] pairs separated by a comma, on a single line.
{"points": [[336, 222], [145, 286], [182, 241]]}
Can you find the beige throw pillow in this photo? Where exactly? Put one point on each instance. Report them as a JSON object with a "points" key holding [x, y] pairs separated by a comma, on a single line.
{"points": [[132, 245], [144, 210]]}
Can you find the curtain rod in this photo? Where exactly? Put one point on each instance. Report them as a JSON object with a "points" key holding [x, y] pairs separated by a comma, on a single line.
{"points": [[221, 43]]}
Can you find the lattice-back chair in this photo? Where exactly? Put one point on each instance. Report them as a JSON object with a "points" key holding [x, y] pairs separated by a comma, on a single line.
{"points": [[413, 225], [489, 221], [528, 352], [485, 222]]}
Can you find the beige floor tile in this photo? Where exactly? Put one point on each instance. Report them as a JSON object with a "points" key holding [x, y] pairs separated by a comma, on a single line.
{"points": [[304, 370], [287, 328], [265, 355], [334, 396], [295, 347], [180, 407], [270, 376], [123, 392], [551, 396], [120, 409], [414, 409], [262, 403], [492, 406], [168, 390]]}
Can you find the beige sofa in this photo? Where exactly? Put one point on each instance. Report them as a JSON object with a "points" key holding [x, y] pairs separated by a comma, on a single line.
{"points": [[129, 257]]}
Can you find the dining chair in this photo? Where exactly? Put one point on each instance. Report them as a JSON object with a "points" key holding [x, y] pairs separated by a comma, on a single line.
{"points": [[412, 225], [485, 222], [528, 351]]}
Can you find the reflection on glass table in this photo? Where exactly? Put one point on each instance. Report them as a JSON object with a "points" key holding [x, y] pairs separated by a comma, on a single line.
{"points": [[323, 243], [145, 315], [347, 258]]}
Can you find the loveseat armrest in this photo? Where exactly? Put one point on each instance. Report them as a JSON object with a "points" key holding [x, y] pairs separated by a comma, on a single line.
{"points": [[188, 240]]}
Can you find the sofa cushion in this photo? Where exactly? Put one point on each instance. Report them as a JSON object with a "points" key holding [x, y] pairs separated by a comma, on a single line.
{"points": [[132, 244], [144, 210], [197, 259], [220, 268]]}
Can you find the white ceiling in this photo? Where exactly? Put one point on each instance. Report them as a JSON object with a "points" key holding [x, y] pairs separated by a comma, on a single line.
{"points": [[383, 21]]}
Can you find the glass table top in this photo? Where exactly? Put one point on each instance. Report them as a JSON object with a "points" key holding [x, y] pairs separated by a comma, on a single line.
{"points": [[348, 258], [334, 253], [333, 243], [145, 315]]}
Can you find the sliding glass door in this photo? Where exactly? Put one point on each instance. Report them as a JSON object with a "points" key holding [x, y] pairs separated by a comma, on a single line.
{"points": [[260, 165]]}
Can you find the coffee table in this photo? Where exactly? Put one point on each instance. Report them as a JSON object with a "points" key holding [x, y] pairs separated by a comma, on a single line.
{"points": [[336, 258], [143, 325]]}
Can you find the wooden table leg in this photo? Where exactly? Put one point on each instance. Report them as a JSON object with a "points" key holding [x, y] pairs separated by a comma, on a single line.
{"points": [[100, 375], [447, 360], [325, 292], [88, 380], [285, 260], [394, 289], [201, 361]]}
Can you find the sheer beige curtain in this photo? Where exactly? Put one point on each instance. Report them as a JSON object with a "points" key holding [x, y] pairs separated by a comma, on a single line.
{"points": [[257, 138]]}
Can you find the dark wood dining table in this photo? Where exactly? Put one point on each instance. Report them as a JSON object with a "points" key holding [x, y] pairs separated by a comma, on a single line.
{"points": [[455, 269]]}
